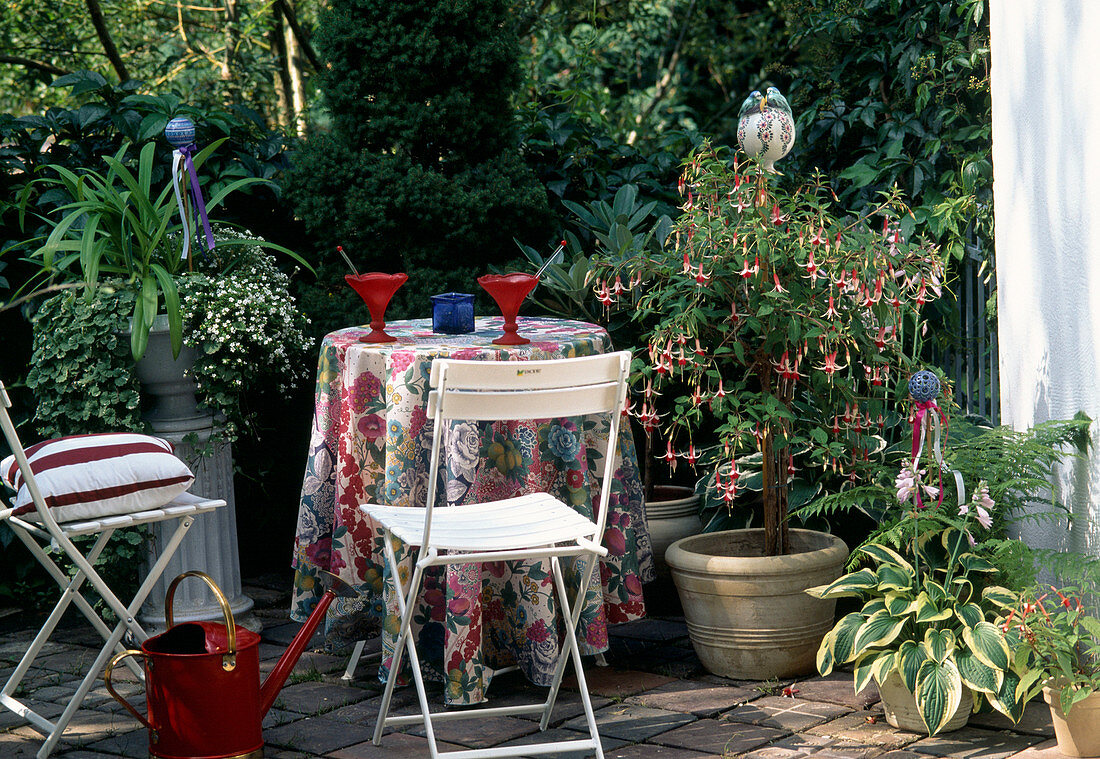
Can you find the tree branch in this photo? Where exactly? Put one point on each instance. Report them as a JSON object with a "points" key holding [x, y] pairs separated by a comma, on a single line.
{"points": [[303, 41], [49, 68], [105, 39], [662, 84]]}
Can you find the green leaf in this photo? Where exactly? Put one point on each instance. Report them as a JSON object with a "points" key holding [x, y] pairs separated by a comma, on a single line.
{"points": [[863, 671], [928, 610], [844, 635], [891, 577], [886, 555], [974, 563], [969, 614], [884, 665], [849, 585], [939, 692], [1002, 597], [977, 675], [825, 660], [1006, 701], [911, 656], [879, 630], [988, 644], [899, 604], [939, 644]]}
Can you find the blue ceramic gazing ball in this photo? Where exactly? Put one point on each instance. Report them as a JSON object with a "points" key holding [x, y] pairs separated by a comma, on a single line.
{"points": [[924, 386], [180, 131]]}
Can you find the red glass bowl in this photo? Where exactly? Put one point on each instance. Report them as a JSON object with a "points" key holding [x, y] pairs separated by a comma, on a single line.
{"points": [[376, 289], [509, 290]]}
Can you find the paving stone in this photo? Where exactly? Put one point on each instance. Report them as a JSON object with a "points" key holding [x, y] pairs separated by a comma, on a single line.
{"points": [[702, 699], [89, 725], [714, 737], [318, 697], [134, 743], [81, 753], [365, 712], [276, 717], [394, 746], [678, 669], [632, 723], [617, 683], [902, 754], [567, 706], [787, 713], [650, 751], [857, 728], [73, 661], [1045, 750], [562, 734], [47, 709], [21, 743], [317, 734], [817, 746], [1036, 720], [836, 688], [282, 635], [975, 743], [478, 732]]}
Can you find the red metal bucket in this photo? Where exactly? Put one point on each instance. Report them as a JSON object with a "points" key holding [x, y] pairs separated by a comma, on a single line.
{"points": [[202, 686]]}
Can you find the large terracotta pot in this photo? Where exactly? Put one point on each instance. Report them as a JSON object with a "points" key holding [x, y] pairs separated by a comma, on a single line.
{"points": [[900, 707], [672, 513], [1078, 732], [747, 614]]}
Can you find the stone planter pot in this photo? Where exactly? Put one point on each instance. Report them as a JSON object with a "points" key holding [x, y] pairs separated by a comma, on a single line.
{"points": [[671, 514], [166, 384], [900, 707], [1078, 732], [747, 614]]}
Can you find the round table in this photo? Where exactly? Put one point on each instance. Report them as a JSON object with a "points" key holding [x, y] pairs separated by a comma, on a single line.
{"points": [[370, 443]]}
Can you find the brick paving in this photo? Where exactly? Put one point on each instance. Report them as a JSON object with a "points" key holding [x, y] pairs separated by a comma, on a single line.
{"points": [[652, 701]]}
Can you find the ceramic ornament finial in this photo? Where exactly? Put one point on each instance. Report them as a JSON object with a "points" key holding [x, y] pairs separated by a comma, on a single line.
{"points": [[180, 131], [765, 127], [924, 386]]}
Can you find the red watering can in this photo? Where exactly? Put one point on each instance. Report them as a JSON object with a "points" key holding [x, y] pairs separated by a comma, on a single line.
{"points": [[202, 681]]}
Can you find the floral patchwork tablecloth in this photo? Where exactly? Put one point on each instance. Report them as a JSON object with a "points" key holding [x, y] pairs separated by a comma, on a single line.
{"points": [[370, 444]]}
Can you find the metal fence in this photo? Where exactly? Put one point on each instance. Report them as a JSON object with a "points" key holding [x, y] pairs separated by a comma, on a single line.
{"points": [[970, 360]]}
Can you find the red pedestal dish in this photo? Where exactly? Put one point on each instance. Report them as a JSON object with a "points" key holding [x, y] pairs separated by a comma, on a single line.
{"points": [[376, 289], [509, 290]]}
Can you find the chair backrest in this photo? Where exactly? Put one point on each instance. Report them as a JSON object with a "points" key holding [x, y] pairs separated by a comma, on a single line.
{"points": [[523, 390], [12, 438]]}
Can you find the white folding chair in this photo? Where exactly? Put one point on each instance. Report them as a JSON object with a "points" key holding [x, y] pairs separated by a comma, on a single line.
{"points": [[535, 526], [49, 533]]}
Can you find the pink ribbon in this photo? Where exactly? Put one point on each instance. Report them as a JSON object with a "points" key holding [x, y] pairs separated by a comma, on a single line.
{"points": [[922, 409]]}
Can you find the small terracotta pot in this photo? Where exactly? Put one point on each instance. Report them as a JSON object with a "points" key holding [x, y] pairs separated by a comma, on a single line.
{"points": [[1078, 732]]}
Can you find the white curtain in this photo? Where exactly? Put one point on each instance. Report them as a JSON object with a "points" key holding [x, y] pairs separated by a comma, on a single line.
{"points": [[1046, 169]]}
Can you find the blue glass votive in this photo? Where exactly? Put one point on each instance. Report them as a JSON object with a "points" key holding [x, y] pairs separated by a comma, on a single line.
{"points": [[453, 313]]}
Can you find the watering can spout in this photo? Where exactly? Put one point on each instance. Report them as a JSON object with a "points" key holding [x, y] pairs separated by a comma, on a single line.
{"points": [[274, 682]]}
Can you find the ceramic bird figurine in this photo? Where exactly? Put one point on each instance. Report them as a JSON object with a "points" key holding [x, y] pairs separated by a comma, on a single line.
{"points": [[765, 127]]}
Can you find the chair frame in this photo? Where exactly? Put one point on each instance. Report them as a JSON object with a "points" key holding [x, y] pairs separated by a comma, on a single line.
{"points": [[183, 509], [498, 391]]}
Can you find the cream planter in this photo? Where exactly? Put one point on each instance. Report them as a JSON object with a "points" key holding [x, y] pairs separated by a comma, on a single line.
{"points": [[747, 614], [1078, 732], [671, 514], [900, 707]]}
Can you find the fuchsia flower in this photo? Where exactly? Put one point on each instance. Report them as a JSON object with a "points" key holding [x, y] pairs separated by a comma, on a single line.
{"points": [[831, 312], [812, 270], [830, 366], [777, 217]]}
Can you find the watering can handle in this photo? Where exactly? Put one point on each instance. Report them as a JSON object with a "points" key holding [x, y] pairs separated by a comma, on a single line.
{"points": [[111, 688], [229, 660]]}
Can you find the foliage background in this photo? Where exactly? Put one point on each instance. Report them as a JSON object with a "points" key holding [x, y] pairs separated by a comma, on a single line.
{"points": [[608, 93]]}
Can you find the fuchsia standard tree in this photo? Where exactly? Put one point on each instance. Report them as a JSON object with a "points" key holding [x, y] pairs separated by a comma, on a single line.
{"points": [[772, 326]]}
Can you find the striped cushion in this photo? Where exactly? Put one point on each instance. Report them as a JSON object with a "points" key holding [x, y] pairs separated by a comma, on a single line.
{"points": [[90, 476]]}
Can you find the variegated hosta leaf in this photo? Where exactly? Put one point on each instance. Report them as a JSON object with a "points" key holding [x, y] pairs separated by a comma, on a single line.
{"points": [[963, 590], [935, 591], [879, 630], [1002, 597], [954, 541], [988, 644], [969, 614], [884, 665], [939, 644], [939, 691], [1006, 701], [973, 563], [886, 555], [891, 577], [899, 604], [929, 610], [977, 675], [875, 604], [1024, 690], [852, 584], [910, 658], [825, 661], [863, 670], [844, 635]]}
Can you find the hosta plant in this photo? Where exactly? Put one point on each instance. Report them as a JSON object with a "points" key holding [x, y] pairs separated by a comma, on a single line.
{"points": [[931, 613], [772, 325]]}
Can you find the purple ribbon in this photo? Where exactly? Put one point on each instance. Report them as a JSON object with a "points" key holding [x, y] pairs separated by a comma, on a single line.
{"points": [[196, 192]]}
